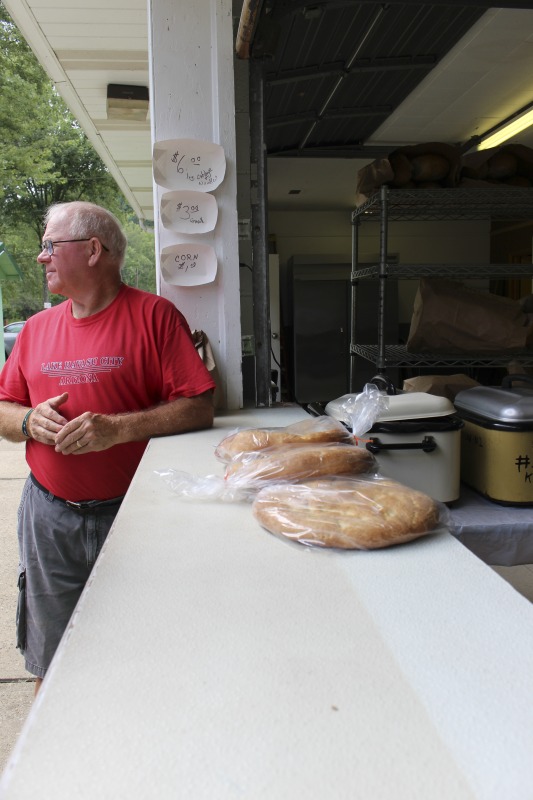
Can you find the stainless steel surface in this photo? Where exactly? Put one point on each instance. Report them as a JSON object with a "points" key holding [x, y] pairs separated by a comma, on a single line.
{"points": [[514, 405]]}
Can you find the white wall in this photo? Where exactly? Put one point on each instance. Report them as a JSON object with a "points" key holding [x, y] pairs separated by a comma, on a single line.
{"points": [[192, 96], [330, 233]]}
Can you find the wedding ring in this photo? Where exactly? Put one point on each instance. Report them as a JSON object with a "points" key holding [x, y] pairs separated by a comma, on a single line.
{"points": [[78, 444]]}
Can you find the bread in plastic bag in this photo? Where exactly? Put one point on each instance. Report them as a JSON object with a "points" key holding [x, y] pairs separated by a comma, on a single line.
{"points": [[348, 513], [296, 462], [247, 474], [314, 430]]}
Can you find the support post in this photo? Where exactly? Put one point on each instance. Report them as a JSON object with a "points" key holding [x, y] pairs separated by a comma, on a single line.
{"points": [[260, 287]]}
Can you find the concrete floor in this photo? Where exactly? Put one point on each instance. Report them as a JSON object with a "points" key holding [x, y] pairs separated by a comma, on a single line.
{"points": [[16, 685]]}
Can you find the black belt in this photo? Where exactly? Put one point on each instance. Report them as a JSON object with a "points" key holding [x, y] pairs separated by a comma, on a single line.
{"points": [[85, 505]]}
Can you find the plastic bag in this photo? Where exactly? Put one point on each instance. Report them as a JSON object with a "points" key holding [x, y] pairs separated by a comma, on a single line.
{"points": [[359, 411], [204, 488], [296, 462], [349, 513], [313, 430], [247, 474]]}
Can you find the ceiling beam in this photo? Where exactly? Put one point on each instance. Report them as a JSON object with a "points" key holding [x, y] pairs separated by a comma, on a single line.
{"points": [[475, 4], [337, 68], [296, 6], [311, 116], [379, 11], [355, 150]]}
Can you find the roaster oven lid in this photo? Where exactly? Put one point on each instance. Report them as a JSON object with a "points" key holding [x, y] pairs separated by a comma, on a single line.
{"points": [[402, 406], [497, 403]]}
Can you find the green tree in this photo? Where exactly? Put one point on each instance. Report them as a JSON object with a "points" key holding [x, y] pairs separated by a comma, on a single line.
{"points": [[46, 158], [139, 265], [24, 297]]}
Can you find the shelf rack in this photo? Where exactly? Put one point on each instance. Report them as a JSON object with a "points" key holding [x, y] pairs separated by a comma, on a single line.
{"points": [[398, 356], [444, 204], [414, 271], [423, 205]]}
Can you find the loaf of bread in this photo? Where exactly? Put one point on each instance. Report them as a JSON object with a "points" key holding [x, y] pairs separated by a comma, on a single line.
{"points": [[347, 513], [313, 430], [299, 462]]}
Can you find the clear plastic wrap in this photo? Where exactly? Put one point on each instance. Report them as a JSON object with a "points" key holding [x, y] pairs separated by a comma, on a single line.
{"points": [[362, 513], [359, 411], [201, 487], [315, 430], [246, 474], [296, 462]]}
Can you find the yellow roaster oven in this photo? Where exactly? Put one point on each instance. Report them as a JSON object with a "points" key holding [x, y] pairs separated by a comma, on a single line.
{"points": [[497, 440]]}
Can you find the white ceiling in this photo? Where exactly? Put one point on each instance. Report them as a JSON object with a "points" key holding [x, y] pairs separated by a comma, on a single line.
{"points": [[87, 44]]}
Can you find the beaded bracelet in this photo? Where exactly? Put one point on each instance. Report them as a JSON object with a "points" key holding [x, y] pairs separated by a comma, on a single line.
{"points": [[25, 423]]}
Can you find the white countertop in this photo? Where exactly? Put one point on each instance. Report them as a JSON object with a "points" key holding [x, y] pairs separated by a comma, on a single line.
{"points": [[210, 659]]}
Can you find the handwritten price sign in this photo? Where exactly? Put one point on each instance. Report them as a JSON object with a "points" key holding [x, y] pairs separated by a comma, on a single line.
{"points": [[189, 164], [188, 264], [189, 212]]}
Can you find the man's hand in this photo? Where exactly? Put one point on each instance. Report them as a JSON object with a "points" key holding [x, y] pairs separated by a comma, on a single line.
{"points": [[45, 421], [90, 432], [87, 433]]}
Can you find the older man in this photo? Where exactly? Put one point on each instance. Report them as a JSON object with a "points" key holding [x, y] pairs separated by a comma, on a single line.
{"points": [[89, 381]]}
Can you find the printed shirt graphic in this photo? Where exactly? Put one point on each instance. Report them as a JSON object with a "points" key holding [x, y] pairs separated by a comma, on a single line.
{"points": [[133, 355], [82, 370]]}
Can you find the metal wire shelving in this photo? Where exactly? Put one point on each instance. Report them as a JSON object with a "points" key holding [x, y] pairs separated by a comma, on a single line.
{"points": [[422, 205]]}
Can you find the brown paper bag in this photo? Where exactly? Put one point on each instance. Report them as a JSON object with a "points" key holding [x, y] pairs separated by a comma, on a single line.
{"points": [[440, 385], [437, 163], [370, 178], [449, 317], [203, 348], [510, 164], [417, 166]]}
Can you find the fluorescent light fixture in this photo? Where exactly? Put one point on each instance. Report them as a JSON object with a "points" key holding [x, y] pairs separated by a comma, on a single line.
{"points": [[508, 130]]}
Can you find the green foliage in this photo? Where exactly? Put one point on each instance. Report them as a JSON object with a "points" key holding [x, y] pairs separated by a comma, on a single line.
{"points": [[139, 265], [46, 158], [24, 297]]}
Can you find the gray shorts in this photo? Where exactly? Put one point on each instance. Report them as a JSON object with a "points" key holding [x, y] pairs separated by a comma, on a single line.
{"points": [[58, 547]]}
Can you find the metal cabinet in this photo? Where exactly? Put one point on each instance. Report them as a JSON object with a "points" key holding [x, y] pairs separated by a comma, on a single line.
{"points": [[318, 326]]}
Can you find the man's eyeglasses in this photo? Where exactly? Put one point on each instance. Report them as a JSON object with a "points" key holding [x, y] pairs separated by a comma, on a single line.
{"points": [[48, 244]]}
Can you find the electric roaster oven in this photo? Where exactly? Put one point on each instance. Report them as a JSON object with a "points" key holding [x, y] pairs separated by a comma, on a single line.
{"points": [[497, 440], [416, 441]]}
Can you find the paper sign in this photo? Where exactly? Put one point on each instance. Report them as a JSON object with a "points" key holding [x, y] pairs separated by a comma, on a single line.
{"points": [[188, 264], [189, 212], [189, 164]]}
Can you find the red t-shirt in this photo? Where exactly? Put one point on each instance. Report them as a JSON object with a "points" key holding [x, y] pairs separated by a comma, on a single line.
{"points": [[134, 354]]}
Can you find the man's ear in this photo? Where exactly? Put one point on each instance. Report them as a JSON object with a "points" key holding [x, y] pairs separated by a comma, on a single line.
{"points": [[96, 250]]}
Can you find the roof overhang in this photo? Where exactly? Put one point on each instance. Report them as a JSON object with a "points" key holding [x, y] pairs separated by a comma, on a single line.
{"points": [[84, 48]]}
